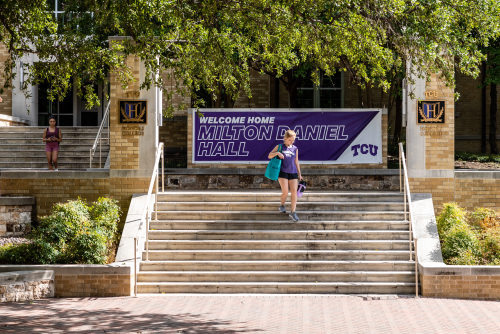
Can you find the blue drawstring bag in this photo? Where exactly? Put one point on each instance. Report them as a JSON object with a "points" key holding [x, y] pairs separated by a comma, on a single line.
{"points": [[274, 167]]}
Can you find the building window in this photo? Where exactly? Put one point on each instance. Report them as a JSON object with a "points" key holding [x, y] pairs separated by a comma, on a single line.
{"points": [[328, 94]]}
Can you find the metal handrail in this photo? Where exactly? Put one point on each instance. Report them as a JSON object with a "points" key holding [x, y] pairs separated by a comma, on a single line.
{"points": [[98, 139], [154, 177], [407, 203], [146, 214]]}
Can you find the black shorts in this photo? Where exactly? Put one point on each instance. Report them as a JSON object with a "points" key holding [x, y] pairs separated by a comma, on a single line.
{"points": [[289, 176]]}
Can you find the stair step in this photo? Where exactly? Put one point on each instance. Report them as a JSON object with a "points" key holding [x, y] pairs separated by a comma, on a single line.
{"points": [[259, 255], [280, 225], [273, 206], [279, 287], [276, 276], [279, 235], [279, 244], [275, 265], [267, 196], [275, 215]]}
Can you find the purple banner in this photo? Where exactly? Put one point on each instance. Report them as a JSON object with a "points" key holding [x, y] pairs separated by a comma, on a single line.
{"points": [[248, 136]]}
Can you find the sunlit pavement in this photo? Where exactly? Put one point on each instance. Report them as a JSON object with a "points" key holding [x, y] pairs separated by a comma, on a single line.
{"points": [[251, 314]]}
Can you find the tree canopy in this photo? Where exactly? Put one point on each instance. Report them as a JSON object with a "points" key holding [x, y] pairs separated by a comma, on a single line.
{"points": [[214, 44]]}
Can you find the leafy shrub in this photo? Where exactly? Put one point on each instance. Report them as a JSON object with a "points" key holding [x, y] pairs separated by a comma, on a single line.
{"points": [[36, 252], [469, 238], [451, 215], [458, 239], [490, 246], [480, 157], [87, 247], [73, 233], [104, 214], [483, 219]]}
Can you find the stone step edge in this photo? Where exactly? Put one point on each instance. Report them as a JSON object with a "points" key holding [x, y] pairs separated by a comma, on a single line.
{"points": [[278, 261], [267, 192], [225, 221], [280, 283], [274, 202], [278, 231], [276, 272], [287, 241], [278, 251]]}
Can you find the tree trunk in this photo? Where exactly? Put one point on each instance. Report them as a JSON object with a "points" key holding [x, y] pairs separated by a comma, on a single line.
{"points": [[483, 107], [291, 86], [493, 119], [399, 114]]}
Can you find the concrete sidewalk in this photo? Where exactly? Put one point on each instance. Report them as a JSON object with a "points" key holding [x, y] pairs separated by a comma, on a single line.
{"points": [[251, 314]]}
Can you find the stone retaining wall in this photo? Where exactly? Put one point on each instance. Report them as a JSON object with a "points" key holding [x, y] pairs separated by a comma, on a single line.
{"points": [[19, 286], [324, 179], [15, 215], [438, 279], [85, 280]]}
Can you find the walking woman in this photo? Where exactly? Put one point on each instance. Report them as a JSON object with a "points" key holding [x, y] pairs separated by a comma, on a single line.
{"points": [[289, 173], [52, 136]]}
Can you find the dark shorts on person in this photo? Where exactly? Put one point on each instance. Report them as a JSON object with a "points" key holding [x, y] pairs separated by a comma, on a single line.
{"points": [[289, 176]]}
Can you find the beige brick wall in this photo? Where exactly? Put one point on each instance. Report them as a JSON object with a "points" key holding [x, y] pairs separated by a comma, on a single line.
{"points": [[457, 286], [473, 193], [95, 285], [172, 98], [440, 141], [124, 148], [442, 189], [260, 92], [6, 104]]}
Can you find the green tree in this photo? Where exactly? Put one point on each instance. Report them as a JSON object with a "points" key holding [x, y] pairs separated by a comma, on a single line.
{"points": [[214, 44]]}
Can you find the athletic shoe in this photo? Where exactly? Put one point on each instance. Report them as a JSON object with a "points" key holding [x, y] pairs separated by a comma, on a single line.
{"points": [[282, 209], [294, 216], [55, 170]]}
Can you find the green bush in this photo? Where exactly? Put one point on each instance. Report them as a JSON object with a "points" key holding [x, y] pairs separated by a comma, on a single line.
{"points": [[87, 247], [459, 239], [73, 233], [36, 252], [451, 215], [105, 213], [469, 238], [480, 157]]}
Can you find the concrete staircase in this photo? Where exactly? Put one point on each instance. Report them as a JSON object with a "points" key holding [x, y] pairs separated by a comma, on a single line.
{"points": [[21, 147], [238, 242]]}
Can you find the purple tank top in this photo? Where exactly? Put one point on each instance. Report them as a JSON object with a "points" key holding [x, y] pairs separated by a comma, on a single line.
{"points": [[49, 134], [52, 134], [288, 163]]}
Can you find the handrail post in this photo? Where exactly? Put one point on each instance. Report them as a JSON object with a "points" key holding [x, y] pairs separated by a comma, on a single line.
{"points": [[135, 267], [162, 168], [400, 178], [416, 268], [100, 153], [147, 233], [90, 160], [156, 193]]}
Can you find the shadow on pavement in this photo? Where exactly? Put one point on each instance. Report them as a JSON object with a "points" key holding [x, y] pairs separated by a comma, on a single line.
{"points": [[50, 316]]}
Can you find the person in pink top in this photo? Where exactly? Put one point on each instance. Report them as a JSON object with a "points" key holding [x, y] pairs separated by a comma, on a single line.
{"points": [[52, 136]]}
